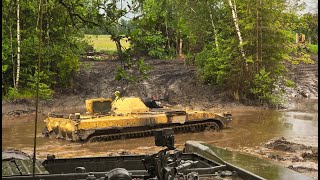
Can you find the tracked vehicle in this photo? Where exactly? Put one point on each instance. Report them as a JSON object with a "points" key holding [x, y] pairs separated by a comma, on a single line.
{"points": [[128, 117]]}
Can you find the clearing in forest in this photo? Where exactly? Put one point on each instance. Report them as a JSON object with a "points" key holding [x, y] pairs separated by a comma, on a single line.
{"points": [[104, 43]]}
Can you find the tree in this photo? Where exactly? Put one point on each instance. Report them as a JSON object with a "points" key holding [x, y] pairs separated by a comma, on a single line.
{"points": [[236, 25], [18, 49], [264, 41], [308, 25], [62, 45]]}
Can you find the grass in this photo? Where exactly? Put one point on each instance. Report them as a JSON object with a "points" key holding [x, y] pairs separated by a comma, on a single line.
{"points": [[313, 48], [103, 43]]}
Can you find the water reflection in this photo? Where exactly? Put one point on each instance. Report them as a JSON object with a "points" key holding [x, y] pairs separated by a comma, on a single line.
{"points": [[258, 166]]}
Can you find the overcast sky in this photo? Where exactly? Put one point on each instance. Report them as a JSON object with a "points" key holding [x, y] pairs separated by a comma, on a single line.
{"points": [[311, 6]]}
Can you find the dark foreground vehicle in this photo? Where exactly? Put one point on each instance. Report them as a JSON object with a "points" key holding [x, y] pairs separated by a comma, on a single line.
{"points": [[168, 164]]}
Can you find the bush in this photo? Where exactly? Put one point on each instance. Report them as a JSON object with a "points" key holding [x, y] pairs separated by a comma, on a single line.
{"points": [[44, 90], [262, 88], [213, 65], [313, 48], [15, 94], [151, 44]]}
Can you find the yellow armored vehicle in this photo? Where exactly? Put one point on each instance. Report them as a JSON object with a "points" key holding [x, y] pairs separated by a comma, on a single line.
{"points": [[128, 117]]}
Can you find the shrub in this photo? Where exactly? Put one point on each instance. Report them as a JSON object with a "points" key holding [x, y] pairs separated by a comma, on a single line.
{"points": [[313, 48], [262, 88], [148, 43], [15, 94]]}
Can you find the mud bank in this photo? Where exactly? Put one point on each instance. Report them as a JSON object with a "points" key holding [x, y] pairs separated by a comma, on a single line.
{"points": [[171, 80], [295, 156]]}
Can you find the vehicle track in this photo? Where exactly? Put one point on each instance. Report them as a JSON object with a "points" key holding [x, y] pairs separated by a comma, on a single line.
{"points": [[206, 126]]}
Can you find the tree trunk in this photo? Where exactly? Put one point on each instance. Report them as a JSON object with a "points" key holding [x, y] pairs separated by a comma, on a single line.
{"points": [[18, 39], [236, 24], [297, 38], [47, 32], [177, 45], [119, 48], [180, 47], [13, 65], [166, 24], [257, 37], [167, 33], [214, 28], [260, 23]]}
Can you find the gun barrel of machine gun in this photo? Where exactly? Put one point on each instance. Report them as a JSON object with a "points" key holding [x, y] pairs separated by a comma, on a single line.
{"points": [[184, 166]]}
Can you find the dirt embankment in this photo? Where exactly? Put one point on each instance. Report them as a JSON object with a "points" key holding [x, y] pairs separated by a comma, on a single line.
{"points": [[298, 157], [171, 80], [305, 77]]}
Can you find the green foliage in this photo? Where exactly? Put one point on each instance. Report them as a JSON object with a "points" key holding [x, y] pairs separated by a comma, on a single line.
{"points": [[268, 33], [206, 29], [15, 94], [148, 43], [44, 90], [61, 46], [157, 31], [213, 64], [299, 54], [289, 83], [308, 24], [137, 71], [262, 88], [313, 48]]}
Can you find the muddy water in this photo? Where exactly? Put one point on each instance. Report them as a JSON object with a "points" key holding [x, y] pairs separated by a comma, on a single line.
{"points": [[258, 166], [250, 128]]}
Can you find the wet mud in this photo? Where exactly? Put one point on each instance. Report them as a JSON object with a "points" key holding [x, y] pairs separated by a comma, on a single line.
{"points": [[298, 157]]}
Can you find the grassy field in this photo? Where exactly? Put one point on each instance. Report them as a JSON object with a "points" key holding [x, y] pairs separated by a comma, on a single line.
{"points": [[104, 43]]}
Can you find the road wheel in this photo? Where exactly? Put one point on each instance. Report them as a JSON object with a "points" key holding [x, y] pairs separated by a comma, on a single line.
{"points": [[193, 129], [212, 126]]}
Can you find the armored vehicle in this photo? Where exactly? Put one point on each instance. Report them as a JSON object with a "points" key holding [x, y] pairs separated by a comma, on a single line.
{"points": [[167, 164], [128, 117]]}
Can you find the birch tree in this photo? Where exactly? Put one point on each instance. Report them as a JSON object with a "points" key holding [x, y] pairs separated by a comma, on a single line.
{"points": [[236, 25], [213, 26], [18, 48]]}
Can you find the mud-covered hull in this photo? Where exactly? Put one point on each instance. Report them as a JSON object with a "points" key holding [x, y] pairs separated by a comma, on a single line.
{"points": [[111, 128], [127, 118]]}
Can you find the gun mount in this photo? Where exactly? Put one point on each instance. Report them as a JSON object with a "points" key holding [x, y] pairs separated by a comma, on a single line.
{"points": [[167, 164]]}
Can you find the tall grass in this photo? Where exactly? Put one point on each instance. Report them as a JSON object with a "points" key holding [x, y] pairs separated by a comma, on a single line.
{"points": [[103, 43]]}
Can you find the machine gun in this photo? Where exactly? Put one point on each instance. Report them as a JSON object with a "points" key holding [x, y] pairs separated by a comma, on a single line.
{"points": [[160, 166]]}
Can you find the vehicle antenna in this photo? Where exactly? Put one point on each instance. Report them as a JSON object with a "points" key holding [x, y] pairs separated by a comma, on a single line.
{"points": [[37, 95]]}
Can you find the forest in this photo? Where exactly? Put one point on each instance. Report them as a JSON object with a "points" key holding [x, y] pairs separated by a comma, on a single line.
{"points": [[240, 46]]}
